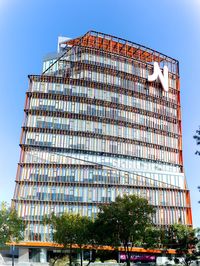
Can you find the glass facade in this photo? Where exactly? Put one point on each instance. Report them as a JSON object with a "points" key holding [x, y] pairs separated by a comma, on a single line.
{"points": [[95, 128]]}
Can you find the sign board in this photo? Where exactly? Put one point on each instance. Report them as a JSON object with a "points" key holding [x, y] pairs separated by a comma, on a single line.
{"points": [[157, 74]]}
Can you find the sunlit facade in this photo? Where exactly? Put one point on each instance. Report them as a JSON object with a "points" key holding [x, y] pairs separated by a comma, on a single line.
{"points": [[95, 128]]}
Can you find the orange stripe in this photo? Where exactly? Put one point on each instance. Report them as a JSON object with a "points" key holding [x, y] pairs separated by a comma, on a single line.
{"points": [[55, 245]]}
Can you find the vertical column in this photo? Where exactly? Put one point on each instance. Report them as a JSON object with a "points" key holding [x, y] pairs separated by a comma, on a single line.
{"points": [[188, 210], [43, 255], [179, 120]]}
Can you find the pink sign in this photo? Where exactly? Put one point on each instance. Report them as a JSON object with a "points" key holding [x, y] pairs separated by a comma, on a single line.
{"points": [[147, 258]]}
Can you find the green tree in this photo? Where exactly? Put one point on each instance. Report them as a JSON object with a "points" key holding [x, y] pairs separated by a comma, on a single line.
{"points": [[197, 138], [124, 222], [182, 238], [152, 237], [11, 226], [70, 229]]}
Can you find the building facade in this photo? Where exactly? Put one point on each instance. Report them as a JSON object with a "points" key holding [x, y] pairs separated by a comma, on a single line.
{"points": [[94, 128]]}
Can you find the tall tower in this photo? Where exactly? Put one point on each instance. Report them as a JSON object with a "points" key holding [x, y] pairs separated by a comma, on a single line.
{"points": [[95, 127]]}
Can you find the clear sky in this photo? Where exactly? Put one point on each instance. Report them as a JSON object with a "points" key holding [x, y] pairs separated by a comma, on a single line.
{"points": [[29, 30]]}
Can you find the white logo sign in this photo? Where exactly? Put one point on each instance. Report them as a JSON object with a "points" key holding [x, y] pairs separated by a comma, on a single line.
{"points": [[158, 74]]}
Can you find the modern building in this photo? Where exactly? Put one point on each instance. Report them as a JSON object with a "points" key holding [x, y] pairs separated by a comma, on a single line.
{"points": [[103, 119]]}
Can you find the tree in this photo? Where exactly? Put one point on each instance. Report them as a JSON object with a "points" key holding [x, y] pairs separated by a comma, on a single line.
{"points": [[183, 239], [124, 222], [152, 237], [197, 137], [11, 226], [70, 229]]}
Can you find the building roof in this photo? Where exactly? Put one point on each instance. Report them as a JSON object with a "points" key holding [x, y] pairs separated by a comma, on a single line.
{"points": [[120, 46]]}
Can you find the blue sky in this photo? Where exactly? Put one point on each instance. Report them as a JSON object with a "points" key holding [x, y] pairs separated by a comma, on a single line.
{"points": [[29, 30]]}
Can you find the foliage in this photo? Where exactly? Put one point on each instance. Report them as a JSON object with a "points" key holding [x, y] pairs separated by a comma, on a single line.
{"points": [[11, 226], [152, 237], [197, 137], [124, 222], [183, 239], [70, 229]]}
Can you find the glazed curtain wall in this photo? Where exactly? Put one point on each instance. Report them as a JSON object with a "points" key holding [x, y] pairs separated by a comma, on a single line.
{"points": [[100, 128], [41, 156], [89, 174], [67, 142], [105, 95], [104, 112]]}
